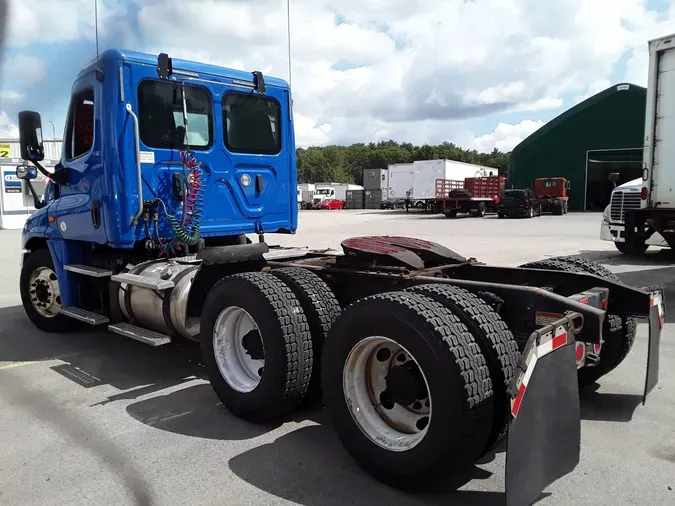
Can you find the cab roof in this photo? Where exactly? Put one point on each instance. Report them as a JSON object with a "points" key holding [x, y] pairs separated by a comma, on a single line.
{"points": [[178, 64]]}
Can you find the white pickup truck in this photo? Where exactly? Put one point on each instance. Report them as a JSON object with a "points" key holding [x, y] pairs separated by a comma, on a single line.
{"points": [[626, 196]]}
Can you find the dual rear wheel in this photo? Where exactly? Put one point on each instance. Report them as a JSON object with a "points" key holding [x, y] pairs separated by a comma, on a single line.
{"points": [[414, 381]]}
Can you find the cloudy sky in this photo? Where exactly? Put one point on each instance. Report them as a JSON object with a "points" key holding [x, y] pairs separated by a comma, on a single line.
{"points": [[480, 73]]}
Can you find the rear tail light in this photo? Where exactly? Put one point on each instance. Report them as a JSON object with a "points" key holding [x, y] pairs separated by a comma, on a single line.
{"points": [[579, 350], [527, 202], [643, 193]]}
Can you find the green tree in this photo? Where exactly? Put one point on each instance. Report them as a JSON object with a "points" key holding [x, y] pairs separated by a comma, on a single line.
{"points": [[345, 164]]}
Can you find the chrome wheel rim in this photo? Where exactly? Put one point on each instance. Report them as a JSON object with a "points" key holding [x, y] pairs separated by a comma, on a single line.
{"points": [[394, 426], [43, 289], [238, 349]]}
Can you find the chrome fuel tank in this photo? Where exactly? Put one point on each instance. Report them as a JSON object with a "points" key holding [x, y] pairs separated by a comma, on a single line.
{"points": [[162, 311]]}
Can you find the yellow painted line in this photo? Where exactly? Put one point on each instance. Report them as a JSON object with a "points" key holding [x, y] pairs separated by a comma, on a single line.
{"points": [[16, 364]]}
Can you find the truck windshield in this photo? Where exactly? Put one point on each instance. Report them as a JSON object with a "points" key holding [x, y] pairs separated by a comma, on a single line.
{"points": [[160, 107], [323, 191], [252, 124]]}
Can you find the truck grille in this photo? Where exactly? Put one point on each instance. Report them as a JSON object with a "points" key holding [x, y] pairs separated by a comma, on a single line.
{"points": [[622, 200]]}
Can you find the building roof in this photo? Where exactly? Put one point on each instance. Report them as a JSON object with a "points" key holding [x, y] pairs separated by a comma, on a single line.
{"points": [[185, 65], [573, 111]]}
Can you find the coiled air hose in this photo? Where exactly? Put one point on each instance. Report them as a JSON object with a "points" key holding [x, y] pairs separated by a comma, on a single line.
{"points": [[186, 229]]}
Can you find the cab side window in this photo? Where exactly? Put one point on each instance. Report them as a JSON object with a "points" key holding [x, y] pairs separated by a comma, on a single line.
{"points": [[80, 127]]}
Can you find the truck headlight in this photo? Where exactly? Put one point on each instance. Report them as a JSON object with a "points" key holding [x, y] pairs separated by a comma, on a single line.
{"points": [[605, 214]]}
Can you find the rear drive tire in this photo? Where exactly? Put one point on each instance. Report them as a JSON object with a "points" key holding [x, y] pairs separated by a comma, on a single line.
{"points": [[618, 331], [41, 295], [481, 210], [495, 340], [321, 309], [500, 215], [256, 346], [395, 436], [530, 213]]}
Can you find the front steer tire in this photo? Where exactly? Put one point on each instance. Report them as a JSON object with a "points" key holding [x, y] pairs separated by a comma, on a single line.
{"points": [[59, 323], [285, 337], [458, 383]]}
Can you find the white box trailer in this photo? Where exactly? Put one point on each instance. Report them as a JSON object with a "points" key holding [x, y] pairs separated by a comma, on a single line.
{"points": [[325, 191], [426, 172], [400, 180], [656, 213], [341, 190]]}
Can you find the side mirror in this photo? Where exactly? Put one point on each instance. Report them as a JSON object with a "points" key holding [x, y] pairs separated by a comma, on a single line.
{"points": [[30, 136], [26, 172], [567, 185], [614, 176]]}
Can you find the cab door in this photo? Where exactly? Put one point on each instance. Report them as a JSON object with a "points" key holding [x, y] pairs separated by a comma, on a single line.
{"points": [[78, 210]]}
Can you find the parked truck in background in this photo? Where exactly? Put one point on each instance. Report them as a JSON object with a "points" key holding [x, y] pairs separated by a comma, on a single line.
{"points": [[624, 198], [333, 191], [307, 195], [551, 192], [427, 172], [656, 213], [426, 360]]}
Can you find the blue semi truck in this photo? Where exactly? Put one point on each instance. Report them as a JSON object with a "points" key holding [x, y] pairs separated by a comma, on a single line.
{"points": [[425, 360]]}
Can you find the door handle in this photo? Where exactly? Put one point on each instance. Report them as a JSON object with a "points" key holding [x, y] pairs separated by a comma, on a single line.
{"points": [[259, 183]]}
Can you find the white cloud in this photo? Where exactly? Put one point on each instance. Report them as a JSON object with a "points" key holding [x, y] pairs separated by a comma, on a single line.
{"points": [[594, 88], [8, 129], [412, 70], [25, 70], [57, 21], [506, 136], [11, 96]]}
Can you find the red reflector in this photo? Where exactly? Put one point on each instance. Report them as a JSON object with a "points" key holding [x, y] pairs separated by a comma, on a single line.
{"points": [[559, 340], [580, 351], [583, 301], [603, 304], [518, 401], [643, 193], [597, 348], [527, 202]]}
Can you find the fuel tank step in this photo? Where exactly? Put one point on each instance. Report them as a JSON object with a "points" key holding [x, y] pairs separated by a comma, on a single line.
{"points": [[83, 315], [88, 270], [143, 281], [139, 334]]}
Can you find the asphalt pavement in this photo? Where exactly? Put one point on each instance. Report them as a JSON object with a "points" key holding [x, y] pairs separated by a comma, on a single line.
{"points": [[94, 418]]}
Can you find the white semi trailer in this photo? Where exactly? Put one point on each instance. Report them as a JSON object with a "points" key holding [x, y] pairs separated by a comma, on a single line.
{"points": [[656, 213]]}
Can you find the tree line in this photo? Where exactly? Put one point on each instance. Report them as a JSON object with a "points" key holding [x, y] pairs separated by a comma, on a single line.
{"points": [[345, 164]]}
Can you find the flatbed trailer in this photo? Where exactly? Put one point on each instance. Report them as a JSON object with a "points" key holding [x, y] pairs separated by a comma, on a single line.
{"points": [[426, 360], [475, 195]]}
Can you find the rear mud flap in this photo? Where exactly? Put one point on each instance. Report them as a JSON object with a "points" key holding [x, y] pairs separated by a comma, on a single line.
{"points": [[544, 439], [656, 321]]}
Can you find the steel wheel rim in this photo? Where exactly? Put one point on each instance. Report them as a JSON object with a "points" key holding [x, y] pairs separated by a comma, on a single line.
{"points": [[239, 368], [43, 289], [389, 425]]}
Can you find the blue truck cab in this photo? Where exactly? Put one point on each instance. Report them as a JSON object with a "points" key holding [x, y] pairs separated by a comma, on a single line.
{"points": [[124, 116]]}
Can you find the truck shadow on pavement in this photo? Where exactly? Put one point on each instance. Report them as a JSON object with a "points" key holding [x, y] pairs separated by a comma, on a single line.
{"points": [[607, 407], [309, 466]]}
